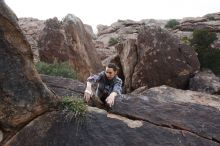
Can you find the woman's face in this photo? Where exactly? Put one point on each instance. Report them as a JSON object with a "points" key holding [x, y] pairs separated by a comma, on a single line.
{"points": [[110, 73]]}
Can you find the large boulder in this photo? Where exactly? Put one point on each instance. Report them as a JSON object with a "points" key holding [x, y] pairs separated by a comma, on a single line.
{"points": [[156, 58], [206, 82], [52, 42], [84, 57], [23, 96], [69, 41]]}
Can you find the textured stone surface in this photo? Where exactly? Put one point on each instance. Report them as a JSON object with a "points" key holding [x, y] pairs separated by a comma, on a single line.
{"points": [[100, 128]]}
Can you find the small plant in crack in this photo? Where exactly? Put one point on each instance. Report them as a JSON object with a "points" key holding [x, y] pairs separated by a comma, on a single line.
{"points": [[73, 107], [74, 110]]}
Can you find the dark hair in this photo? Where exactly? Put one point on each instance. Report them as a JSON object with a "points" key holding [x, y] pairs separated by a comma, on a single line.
{"points": [[113, 66]]}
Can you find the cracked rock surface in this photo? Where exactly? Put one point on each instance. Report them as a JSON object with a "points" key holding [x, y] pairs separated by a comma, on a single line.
{"points": [[99, 129]]}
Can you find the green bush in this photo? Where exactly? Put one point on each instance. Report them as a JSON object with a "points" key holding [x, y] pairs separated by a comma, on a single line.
{"points": [[172, 23], [112, 41], [208, 57], [56, 69], [74, 105], [203, 38], [211, 18]]}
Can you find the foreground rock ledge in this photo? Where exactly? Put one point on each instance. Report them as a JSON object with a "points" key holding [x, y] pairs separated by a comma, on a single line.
{"points": [[100, 129]]}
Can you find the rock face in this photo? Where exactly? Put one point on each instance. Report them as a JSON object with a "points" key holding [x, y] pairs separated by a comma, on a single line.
{"points": [[70, 41], [23, 96], [156, 58], [206, 82], [160, 116], [32, 27]]}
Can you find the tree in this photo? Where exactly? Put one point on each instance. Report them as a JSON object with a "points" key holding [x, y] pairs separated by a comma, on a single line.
{"points": [[202, 38], [172, 23]]}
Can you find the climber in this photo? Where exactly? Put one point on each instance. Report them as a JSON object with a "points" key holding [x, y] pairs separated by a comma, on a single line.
{"points": [[109, 85]]}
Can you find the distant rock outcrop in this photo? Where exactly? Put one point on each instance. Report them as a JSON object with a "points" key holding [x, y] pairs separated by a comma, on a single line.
{"points": [[119, 31], [69, 41], [23, 96], [125, 29], [32, 27], [122, 29], [210, 22]]}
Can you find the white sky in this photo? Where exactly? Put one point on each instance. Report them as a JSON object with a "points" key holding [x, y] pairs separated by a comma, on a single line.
{"points": [[94, 12]]}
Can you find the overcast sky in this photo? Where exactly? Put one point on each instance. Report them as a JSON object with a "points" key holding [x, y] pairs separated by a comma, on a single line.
{"points": [[94, 12]]}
